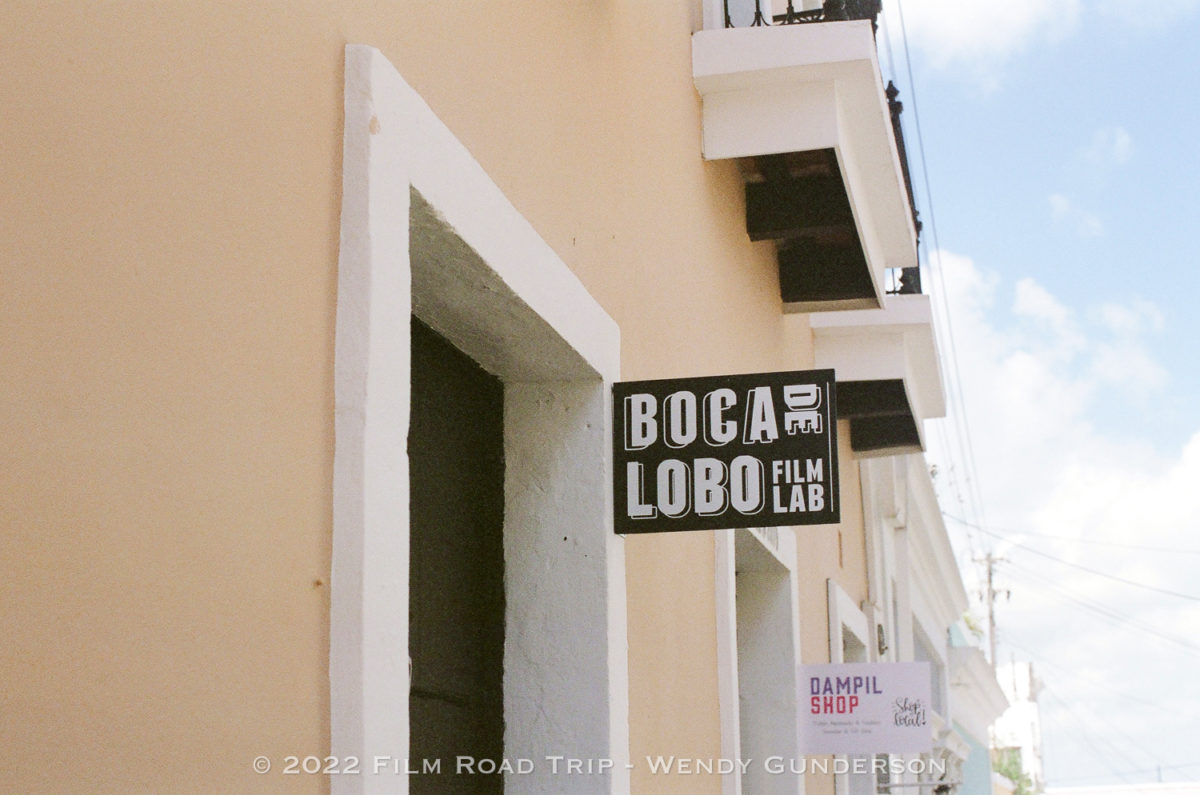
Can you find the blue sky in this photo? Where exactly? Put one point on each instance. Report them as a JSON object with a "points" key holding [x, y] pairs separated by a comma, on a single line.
{"points": [[1078, 165], [1062, 155]]}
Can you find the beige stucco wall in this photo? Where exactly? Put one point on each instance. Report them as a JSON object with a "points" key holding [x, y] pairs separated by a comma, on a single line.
{"points": [[168, 187], [170, 193]]}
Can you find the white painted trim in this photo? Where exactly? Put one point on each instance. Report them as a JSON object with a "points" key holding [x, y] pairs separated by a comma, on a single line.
{"points": [[417, 209], [904, 327], [937, 579], [845, 615], [875, 552], [769, 696], [976, 698], [884, 494], [778, 542], [368, 661], [745, 553], [931, 638], [727, 674], [904, 591], [794, 580], [843, 612]]}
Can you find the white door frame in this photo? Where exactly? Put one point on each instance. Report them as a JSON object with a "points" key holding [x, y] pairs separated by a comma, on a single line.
{"points": [[424, 231]]}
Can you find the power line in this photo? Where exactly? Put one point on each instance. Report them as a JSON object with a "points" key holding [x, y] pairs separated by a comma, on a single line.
{"points": [[1112, 727], [1083, 733], [943, 293], [1105, 612], [1156, 769], [973, 544], [1115, 749], [1142, 547], [1007, 638], [1098, 573], [966, 447], [1065, 562]]}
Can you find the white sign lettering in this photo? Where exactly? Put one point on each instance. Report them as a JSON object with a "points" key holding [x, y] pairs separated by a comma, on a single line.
{"points": [[732, 451]]}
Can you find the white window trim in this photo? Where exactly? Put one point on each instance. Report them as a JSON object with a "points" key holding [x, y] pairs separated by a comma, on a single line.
{"points": [[845, 615], [843, 612], [779, 545], [727, 677], [498, 292]]}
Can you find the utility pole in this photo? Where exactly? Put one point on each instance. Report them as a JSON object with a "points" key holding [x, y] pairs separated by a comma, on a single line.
{"points": [[989, 596]]}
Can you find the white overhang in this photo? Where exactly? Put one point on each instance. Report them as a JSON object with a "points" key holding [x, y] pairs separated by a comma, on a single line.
{"points": [[936, 577], [975, 695], [883, 346], [797, 88]]}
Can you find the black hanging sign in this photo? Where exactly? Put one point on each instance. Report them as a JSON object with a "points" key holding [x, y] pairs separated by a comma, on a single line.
{"points": [[725, 452]]}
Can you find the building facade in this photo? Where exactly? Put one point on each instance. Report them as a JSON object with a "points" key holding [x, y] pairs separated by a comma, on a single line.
{"points": [[1018, 731], [312, 313]]}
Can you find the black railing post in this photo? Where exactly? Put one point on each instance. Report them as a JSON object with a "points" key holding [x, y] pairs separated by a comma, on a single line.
{"points": [[910, 281], [759, 19], [904, 281], [835, 10], [864, 9], [895, 107]]}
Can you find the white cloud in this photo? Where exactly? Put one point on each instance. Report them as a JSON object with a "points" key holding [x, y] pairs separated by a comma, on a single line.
{"points": [[1034, 302], [1108, 146], [1066, 211], [1162, 14], [1123, 361], [1058, 453], [978, 36], [1034, 375], [1139, 317], [980, 33], [1126, 367]]}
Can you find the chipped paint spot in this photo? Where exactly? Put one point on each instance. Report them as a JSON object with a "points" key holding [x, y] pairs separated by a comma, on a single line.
{"points": [[373, 126]]}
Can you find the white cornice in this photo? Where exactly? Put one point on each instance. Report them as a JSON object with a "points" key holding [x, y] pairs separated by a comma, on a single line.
{"points": [[935, 571], [974, 692]]}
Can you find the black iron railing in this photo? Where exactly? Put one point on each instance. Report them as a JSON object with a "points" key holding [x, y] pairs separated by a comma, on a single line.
{"points": [[895, 107], [903, 281], [830, 11], [907, 280]]}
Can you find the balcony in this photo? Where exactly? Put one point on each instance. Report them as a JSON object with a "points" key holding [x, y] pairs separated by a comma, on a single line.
{"points": [[801, 105], [889, 379]]}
